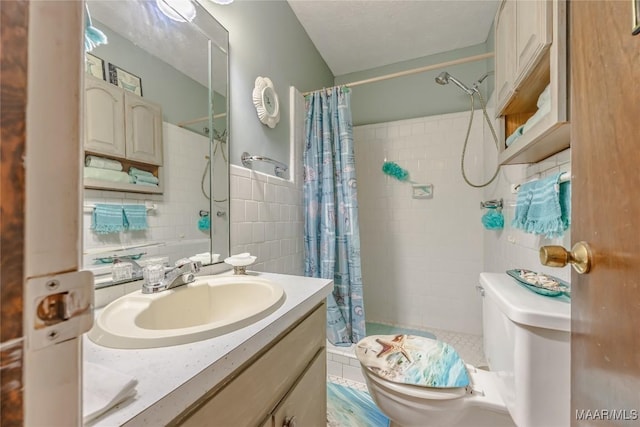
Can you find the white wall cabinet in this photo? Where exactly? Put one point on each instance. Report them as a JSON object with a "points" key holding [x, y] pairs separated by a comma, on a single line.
{"points": [[104, 118], [523, 34], [531, 53], [121, 124], [285, 385]]}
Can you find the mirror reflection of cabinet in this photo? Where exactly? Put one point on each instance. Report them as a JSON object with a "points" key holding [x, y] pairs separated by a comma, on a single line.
{"points": [[121, 124]]}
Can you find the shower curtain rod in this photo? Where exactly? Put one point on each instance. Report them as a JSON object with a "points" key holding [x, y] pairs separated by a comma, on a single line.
{"points": [[414, 71]]}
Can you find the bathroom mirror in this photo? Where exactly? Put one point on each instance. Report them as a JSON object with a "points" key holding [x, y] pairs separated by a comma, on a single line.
{"points": [[179, 61]]}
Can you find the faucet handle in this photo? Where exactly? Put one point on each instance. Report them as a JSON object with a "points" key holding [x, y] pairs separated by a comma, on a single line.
{"points": [[193, 266]]}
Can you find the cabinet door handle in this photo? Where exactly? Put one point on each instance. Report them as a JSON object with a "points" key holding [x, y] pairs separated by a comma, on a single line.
{"points": [[289, 422]]}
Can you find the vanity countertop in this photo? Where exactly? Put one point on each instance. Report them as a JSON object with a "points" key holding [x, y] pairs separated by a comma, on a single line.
{"points": [[170, 379]]}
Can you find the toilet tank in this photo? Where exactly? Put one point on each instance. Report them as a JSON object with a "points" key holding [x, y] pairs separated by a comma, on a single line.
{"points": [[527, 342]]}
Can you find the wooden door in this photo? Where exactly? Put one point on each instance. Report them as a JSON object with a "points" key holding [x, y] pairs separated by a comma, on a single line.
{"points": [[605, 117]]}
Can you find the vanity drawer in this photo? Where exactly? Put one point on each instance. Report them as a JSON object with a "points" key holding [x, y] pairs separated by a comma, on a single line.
{"points": [[256, 389]]}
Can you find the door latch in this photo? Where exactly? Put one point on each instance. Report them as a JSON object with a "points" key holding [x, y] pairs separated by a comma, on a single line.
{"points": [[58, 307]]}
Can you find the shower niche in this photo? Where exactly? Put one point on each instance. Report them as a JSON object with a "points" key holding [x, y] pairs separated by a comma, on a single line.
{"points": [[531, 55]]}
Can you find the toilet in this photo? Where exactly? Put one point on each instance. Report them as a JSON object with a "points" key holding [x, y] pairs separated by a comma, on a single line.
{"points": [[417, 381]]}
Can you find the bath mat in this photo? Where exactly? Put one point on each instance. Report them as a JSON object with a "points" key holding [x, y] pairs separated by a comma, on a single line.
{"points": [[348, 407], [382, 329]]}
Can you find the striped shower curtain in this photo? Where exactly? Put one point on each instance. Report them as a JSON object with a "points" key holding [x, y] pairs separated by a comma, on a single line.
{"points": [[331, 237]]}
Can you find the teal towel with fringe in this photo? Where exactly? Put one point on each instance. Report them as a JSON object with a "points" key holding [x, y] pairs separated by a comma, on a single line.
{"points": [[135, 217], [539, 209], [107, 219]]}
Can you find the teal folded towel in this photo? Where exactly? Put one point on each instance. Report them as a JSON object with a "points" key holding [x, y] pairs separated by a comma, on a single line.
{"points": [[139, 172], [142, 177], [493, 219], [538, 207], [515, 135], [135, 217], [107, 219], [102, 163]]}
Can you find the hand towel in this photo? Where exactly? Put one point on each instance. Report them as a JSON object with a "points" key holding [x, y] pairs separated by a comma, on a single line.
{"points": [[102, 163], [107, 219], [538, 209], [135, 217], [106, 175], [102, 389]]}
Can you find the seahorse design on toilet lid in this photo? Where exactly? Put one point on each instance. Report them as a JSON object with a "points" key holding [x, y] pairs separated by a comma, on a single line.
{"points": [[409, 359]]}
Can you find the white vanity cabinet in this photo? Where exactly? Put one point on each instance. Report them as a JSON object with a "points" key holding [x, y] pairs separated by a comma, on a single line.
{"points": [[284, 385], [531, 53], [121, 124]]}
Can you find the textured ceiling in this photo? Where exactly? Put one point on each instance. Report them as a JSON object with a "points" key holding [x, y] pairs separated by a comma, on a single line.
{"points": [[141, 23], [356, 35]]}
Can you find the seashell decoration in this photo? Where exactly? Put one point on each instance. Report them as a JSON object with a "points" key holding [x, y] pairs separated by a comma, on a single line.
{"points": [[266, 101]]}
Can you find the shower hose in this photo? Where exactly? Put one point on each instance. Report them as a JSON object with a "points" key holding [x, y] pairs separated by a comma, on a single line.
{"points": [[466, 141]]}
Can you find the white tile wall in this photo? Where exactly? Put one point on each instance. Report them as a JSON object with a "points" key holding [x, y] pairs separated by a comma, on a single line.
{"points": [[267, 220], [421, 257], [175, 219]]}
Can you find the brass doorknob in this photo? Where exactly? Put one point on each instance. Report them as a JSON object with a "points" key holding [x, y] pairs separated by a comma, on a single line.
{"points": [[557, 256]]}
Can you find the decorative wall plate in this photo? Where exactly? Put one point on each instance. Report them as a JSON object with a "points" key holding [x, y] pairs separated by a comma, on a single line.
{"points": [[266, 101]]}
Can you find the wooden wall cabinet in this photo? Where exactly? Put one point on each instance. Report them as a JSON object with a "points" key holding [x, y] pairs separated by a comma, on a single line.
{"points": [[283, 386], [531, 53], [123, 126]]}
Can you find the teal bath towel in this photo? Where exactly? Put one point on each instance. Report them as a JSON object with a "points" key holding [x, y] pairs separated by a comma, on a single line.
{"points": [[107, 219], [135, 217], [543, 207]]}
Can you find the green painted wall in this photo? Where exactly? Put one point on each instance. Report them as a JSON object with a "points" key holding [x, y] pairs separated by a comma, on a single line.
{"points": [[266, 39], [417, 95]]}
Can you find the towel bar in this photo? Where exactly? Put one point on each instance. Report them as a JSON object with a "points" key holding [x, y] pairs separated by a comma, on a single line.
{"points": [[279, 168], [565, 177]]}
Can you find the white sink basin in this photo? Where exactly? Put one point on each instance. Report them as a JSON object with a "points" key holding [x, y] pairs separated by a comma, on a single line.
{"points": [[209, 307]]}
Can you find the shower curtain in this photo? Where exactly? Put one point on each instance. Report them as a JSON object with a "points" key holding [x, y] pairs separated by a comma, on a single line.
{"points": [[331, 236]]}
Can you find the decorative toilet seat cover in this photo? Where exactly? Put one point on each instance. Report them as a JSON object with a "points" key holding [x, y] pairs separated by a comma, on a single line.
{"points": [[409, 359]]}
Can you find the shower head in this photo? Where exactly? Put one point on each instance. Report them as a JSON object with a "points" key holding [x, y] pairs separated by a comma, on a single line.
{"points": [[446, 78]]}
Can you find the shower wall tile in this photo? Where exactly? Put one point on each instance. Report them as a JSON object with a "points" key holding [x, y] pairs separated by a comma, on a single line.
{"points": [[512, 248], [421, 257], [267, 220]]}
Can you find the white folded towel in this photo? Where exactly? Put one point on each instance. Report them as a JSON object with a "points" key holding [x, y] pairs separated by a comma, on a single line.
{"points": [[102, 389], [102, 163]]}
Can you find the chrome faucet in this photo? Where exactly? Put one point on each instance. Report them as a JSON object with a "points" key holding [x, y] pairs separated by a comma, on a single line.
{"points": [[183, 273]]}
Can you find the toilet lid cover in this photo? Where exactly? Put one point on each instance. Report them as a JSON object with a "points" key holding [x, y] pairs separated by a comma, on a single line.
{"points": [[409, 359]]}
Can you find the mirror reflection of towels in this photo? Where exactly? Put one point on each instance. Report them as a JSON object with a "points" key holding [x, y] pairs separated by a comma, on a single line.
{"points": [[135, 217]]}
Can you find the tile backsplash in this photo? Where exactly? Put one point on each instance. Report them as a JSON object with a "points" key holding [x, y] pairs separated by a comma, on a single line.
{"points": [[267, 220]]}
